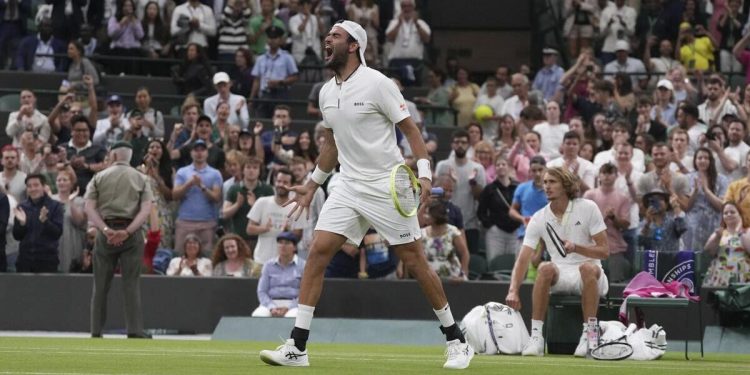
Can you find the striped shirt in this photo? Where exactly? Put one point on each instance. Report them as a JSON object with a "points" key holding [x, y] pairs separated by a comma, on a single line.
{"points": [[232, 32]]}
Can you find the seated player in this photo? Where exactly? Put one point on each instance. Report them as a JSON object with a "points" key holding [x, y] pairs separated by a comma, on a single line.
{"points": [[575, 235], [278, 287]]}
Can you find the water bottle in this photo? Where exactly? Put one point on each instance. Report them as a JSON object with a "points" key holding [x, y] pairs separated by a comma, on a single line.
{"points": [[592, 335]]}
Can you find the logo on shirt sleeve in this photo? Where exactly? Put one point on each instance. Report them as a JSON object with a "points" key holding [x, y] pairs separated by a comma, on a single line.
{"points": [[403, 108]]}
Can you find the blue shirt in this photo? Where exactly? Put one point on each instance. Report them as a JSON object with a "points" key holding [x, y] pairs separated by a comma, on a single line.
{"points": [[531, 199], [195, 205], [273, 67], [280, 282], [547, 81]]}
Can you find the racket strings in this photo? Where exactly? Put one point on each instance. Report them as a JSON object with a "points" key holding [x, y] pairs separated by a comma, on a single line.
{"points": [[405, 191]]}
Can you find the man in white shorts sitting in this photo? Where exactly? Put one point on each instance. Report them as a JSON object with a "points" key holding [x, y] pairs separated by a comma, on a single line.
{"points": [[361, 109], [575, 236]]}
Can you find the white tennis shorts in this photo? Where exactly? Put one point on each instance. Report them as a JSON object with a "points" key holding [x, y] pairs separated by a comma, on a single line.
{"points": [[569, 280], [354, 206]]}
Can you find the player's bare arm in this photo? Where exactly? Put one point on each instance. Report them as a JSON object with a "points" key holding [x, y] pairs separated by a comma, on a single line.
{"points": [[418, 148], [600, 249], [303, 194], [516, 278]]}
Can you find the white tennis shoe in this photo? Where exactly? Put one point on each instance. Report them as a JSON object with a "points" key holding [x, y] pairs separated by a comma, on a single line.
{"points": [[535, 346], [583, 345], [285, 355], [458, 355]]}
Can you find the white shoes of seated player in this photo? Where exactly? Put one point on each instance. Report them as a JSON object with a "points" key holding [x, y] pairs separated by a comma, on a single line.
{"points": [[583, 346], [535, 346], [285, 355], [458, 355]]}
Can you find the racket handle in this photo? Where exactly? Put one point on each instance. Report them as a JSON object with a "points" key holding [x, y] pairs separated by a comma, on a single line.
{"points": [[631, 328]]}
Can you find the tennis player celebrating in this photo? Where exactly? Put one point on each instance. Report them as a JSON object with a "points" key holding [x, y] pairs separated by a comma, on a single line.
{"points": [[360, 107], [575, 236]]}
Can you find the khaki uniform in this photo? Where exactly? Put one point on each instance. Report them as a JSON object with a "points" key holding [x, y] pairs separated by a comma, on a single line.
{"points": [[118, 191]]}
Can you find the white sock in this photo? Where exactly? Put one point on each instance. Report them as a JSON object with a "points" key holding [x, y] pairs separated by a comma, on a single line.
{"points": [[445, 316], [304, 316], [536, 327]]}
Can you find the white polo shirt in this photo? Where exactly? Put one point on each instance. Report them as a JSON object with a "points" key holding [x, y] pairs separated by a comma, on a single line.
{"points": [[362, 112], [586, 170], [581, 221]]}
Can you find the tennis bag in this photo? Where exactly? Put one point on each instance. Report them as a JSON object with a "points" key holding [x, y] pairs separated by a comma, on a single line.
{"points": [[647, 344], [494, 328]]}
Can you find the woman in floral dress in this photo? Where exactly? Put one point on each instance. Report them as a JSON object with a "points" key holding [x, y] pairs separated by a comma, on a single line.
{"points": [[730, 244]]}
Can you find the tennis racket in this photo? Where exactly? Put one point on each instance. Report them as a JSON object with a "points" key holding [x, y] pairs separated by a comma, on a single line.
{"points": [[404, 190], [556, 240], [615, 350]]}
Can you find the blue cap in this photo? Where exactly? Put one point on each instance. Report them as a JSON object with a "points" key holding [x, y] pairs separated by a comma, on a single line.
{"points": [[199, 143], [289, 236]]}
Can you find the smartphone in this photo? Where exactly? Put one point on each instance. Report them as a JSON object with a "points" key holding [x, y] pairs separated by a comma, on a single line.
{"points": [[437, 192], [654, 203]]}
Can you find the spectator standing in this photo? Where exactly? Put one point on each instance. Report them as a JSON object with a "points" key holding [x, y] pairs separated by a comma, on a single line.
{"points": [[617, 23], [192, 22], [241, 197], [153, 119], [190, 262], [623, 63], [695, 47], [502, 76], [111, 127], [133, 134], [193, 75], [125, 32], [688, 117], [730, 26], [703, 212], [367, 14], [663, 224], [232, 257], [664, 110], [582, 168], [158, 167], [38, 226], [13, 16], [31, 48], [580, 17], [731, 157], [232, 29], [268, 217], [197, 188], [237, 105], [409, 34], [730, 246], [553, 130], [660, 66], [85, 157], [259, 25], [13, 180], [73, 237], [615, 208], [241, 74], [156, 32], [278, 287], [547, 79], [661, 179], [463, 96], [80, 68], [273, 73], [118, 202], [522, 152], [520, 99], [493, 212], [27, 117], [305, 28], [469, 180], [716, 106], [67, 17], [494, 100]]}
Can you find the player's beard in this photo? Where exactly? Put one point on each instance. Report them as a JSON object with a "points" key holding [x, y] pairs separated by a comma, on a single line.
{"points": [[460, 153], [338, 59]]}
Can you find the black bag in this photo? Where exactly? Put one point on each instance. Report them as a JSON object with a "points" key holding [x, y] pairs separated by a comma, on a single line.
{"points": [[733, 304]]}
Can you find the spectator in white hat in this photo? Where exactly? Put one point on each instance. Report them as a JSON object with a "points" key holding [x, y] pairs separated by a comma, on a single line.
{"points": [[665, 107], [238, 114], [631, 66]]}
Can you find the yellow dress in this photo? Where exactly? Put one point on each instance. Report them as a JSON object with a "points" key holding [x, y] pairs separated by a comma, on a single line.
{"points": [[464, 102]]}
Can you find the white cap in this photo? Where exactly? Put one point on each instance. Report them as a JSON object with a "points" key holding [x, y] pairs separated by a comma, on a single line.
{"points": [[622, 45], [358, 33], [665, 83], [221, 77]]}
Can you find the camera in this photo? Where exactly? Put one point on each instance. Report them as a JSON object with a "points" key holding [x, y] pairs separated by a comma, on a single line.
{"points": [[654, 203], [710, 136], [437, 192]]}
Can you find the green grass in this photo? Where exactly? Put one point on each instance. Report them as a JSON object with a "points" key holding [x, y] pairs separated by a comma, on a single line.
{"points": [[43, 356]]}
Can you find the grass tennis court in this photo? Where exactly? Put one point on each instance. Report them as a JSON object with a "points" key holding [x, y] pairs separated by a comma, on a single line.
{"points": [[70, 356]]}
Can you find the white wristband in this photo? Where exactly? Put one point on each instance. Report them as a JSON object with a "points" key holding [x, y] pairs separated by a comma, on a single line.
{"points": [[423, 169], [318, 176]]}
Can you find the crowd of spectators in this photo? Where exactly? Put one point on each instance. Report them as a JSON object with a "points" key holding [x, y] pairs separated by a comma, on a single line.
{"points": [[645, 115]]}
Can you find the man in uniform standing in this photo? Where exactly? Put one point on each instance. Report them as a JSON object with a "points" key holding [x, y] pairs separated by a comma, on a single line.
{"points": [[118, 202]]}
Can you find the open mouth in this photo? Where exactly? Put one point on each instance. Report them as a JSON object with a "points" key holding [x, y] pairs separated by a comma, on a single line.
{"points": [[328, 53]]}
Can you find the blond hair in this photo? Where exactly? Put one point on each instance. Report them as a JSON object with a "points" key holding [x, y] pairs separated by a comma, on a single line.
{"points": [[569, 181]]}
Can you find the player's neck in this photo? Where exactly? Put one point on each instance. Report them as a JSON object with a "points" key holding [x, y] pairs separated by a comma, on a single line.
{"points": [[343, 74], [559, 205]]}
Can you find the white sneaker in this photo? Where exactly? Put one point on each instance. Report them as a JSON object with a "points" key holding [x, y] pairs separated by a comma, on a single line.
{"points": [[583, 346], [285, 355], [458, 355], [535, 346]]}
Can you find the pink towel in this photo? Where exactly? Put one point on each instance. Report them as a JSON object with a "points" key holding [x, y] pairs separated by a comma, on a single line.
{"points": [[646, 285]]}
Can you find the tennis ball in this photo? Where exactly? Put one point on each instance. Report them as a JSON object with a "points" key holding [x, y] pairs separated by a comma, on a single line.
{"points": [[483, 112]]}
